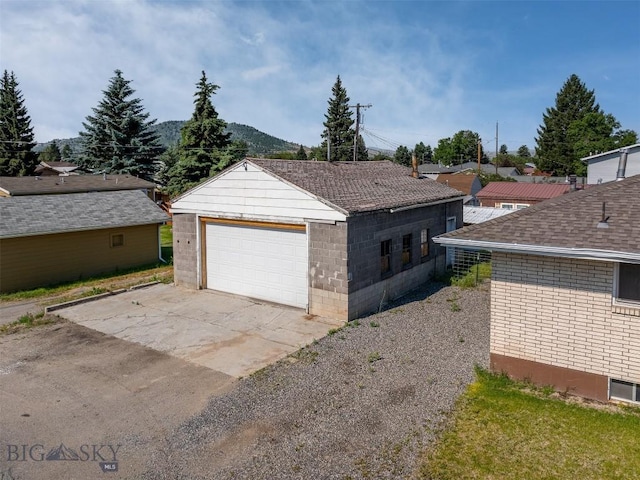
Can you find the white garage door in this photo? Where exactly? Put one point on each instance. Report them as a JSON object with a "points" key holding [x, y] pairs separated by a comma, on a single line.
{"points": [[259, 260]]}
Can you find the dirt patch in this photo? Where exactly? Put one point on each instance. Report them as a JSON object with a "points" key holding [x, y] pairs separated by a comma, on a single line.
{"points": [[64, 384]]}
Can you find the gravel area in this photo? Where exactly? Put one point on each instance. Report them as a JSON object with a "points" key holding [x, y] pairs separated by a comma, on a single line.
{"points": [[361, 403]]}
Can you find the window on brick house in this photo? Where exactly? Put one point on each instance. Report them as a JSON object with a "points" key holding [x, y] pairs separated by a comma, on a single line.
{"points": [[424, 242], [385, 256], [628, 282], [621, 390], [406, 249]]}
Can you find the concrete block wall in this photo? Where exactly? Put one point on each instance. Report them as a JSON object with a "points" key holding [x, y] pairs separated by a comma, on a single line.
{"points": [[185, 251], [559, 312], [328, 275]]}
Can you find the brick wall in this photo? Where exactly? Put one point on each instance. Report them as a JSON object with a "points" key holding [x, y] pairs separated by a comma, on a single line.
{"points": [[559, 312], [185, 251]]}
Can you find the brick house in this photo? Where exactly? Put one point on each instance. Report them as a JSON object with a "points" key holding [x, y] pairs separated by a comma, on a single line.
{"points": [[565, 290], [338, 239], [516, 195]]}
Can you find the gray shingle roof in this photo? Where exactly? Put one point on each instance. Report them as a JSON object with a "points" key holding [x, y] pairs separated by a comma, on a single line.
{"points": [[564, 223], [45, 185], [30, 215], [358, 187]]}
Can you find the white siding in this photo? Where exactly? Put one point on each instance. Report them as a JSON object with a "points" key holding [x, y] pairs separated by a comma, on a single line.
{"points": [[605, 166], [254, 194]]}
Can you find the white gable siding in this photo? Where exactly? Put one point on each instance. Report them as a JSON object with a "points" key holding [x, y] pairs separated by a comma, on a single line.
{"points": [[604, 167], [254, 194]]}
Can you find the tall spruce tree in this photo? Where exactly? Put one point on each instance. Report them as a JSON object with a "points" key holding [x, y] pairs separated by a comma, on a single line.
{"points": [[16, 134], [203, 143], [338, 133], [51, 153], [119, 138]]}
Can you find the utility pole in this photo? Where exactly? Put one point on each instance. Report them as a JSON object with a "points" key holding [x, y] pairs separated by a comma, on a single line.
{"points": [[357, 106], [496, 148]]}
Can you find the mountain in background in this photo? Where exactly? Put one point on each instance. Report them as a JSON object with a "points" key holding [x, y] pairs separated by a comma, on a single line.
{"points": [[259, 143]]}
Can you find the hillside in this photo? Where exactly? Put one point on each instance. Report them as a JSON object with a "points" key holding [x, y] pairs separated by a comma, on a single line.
{"points": [[260, 143]]}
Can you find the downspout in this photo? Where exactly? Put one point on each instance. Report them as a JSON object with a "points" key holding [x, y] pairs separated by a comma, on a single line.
{"points": [[160, 246], [622, 164]]}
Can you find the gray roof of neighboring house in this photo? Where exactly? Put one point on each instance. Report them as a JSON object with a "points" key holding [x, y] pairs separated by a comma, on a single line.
{"points": [[30, 215], [357, 187], [565, 226], [45, 185], [475, 215]]}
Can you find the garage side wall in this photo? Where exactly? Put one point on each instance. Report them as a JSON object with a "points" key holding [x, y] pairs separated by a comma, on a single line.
{"points": [[328, 290], [185, 251], [31, 262], [553, 322], [369, 288]]}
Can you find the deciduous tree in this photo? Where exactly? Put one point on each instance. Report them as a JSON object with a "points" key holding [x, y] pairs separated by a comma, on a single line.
{"points": [[462, 147], [16, 134], [118, 137]]}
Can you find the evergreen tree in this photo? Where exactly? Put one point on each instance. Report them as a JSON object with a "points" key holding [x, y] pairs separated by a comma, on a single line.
{"points": [[67, 153], [51, 153], [420, 151], [203, 142], [118, 138], [302, 154], [363, 154], [524, 152], [402, 156], [555, 148], [16, 134], [338, 132]]}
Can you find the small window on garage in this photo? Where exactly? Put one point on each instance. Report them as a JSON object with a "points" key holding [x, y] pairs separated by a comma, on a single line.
{"points": [[628, 281], [117, 240], [406, 249], [424, 242], [621, 390], [385, 256]]}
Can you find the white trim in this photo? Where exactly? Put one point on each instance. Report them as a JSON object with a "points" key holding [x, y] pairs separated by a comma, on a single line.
{"points": [[583, 253], [615, 300]]}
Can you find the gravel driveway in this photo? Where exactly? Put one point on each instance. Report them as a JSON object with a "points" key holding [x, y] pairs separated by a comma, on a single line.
{"points": [[360, 403]]}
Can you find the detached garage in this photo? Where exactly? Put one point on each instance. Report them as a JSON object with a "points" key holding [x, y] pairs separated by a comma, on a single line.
{"points": [[337, 239]]}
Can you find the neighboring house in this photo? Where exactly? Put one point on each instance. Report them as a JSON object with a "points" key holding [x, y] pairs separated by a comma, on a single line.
{"points": [[47, 185], [603, 167], [49, 239], [432, 170], [580, 181], [472, 215], [469, 184], [55, 169], [514, 195], [337, 238], [565, 290]]}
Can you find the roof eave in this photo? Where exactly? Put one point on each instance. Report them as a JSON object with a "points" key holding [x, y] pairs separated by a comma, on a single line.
{"points": [[86, 229], [549, 251]]}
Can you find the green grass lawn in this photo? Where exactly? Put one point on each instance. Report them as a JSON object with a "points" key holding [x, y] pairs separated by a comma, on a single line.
{"points": [[505, 430]]}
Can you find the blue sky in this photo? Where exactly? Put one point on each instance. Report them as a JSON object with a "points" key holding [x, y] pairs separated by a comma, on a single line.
{"points": [[428, 68]]}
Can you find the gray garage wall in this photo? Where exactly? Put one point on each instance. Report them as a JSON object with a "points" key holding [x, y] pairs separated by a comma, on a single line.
{"points": [[185, 251]]}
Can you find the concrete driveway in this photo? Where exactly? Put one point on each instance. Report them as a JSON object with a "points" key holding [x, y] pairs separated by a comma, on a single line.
{"points": [[230, 334]]}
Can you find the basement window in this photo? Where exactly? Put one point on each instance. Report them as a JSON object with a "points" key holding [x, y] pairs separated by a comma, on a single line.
{"points": [[628, 282], [385, 256], [406, 249], [117, 240], [621, 390]]}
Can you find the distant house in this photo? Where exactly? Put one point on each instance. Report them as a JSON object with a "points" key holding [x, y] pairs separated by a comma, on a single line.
{"points": [[339, 239], [432, 170], [472, 215], [48, 185], [565, 290], [48, 239], [55, 168], [604, 167], [515, 195], [469, 184]]}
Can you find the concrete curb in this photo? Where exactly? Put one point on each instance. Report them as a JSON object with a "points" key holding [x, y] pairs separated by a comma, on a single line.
{"points": [[71, 303]]}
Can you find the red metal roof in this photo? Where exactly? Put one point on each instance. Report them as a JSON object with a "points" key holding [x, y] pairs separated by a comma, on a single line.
{"points": [[522, 191]]}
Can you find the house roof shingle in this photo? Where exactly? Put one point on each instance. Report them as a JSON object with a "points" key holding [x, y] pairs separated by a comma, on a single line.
{"points": [[566, 224], [30, 215], [358, 187], [14, 186], [522, 191]]}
